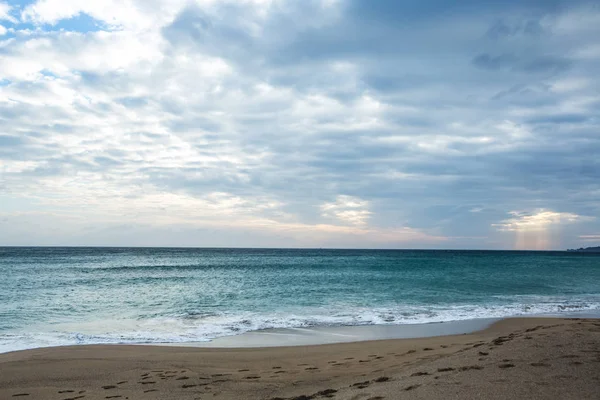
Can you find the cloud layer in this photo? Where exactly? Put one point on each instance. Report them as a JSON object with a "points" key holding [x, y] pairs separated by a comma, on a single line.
{"points": [[322, 123]]}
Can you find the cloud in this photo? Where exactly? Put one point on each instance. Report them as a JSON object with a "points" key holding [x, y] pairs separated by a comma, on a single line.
{"points": [[348, 209], [540, 64], [300, 123], [590, 238], [534, 230], [128, 14], [493, 62], [537, 221], [5, 13]]}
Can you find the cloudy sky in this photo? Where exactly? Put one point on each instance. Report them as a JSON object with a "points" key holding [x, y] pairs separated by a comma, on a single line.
{"points": [[288, 123]]}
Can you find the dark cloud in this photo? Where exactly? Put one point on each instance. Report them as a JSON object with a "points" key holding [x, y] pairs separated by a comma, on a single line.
{"points": [[487, 61], [559, 119], [545, 64], [503, 30]]}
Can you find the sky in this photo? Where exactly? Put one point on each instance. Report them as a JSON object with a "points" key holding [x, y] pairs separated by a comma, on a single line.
{"points": [[314, 123]]}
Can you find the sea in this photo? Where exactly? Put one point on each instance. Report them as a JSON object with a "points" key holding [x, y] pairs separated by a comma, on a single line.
{"points": [[52, 296]]}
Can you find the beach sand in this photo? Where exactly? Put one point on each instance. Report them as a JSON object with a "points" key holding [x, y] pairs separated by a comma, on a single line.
{"points": [[519, 358]]}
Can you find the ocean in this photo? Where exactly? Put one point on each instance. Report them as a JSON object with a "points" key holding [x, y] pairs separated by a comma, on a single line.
{"points": [[65, 296]]}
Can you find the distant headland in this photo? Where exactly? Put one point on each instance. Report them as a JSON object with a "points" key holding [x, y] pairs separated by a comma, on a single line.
{"points": [[587, 250]]}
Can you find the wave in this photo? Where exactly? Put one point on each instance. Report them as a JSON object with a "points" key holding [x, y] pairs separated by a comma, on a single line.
{"points": [[200, 327]]}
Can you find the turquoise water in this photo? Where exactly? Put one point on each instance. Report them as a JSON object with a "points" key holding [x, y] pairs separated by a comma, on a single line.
{"points": [[60, 296]]}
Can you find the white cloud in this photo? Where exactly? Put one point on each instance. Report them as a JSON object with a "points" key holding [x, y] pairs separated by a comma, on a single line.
{"points": [[5, 14], [66, 53], [133, 15], [590, 238], [348, 209], [539, 220], [122, 14], [569, 85], [535, 230]]}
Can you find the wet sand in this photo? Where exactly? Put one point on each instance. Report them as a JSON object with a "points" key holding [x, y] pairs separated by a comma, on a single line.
{"points": [[521, 358]]}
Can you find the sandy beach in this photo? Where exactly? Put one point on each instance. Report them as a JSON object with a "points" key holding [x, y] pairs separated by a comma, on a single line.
{"points": [[520, 358]]}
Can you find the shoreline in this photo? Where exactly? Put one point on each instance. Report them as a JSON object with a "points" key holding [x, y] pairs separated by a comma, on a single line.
{"points": [[318, 335], [322, 334], [537, 358]]}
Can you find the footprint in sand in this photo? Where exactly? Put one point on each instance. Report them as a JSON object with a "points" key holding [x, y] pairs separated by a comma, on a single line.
{"points": [[276, 368], [243, 370], [470, 367], [75, 398], [122, 382], [381, 379], [182, 378], [420, 373], [310, 368], [66, 391], [150, 390], [113, 397], [361, 385], [188, 386], [445, 369], [539, 364], [411, 387], [507, 365], [109, 387], [326, 393]]}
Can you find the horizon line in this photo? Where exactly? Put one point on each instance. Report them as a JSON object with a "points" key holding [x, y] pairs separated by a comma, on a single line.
{"points": [[275, 248]]}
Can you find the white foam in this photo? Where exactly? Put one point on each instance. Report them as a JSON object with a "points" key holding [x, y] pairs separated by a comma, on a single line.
{"points": [[176, 329]]}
